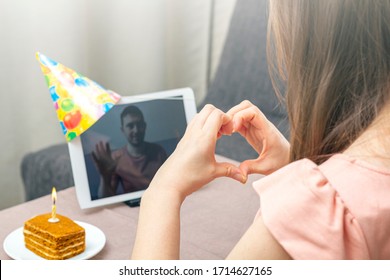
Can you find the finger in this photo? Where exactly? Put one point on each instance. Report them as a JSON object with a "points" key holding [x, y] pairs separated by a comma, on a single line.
{"points": [[251, 116], [226, 129], [99, 149], [227, 126], [202, 116], [256, 166], [247, 167], [225, 169], [214, 122], [243, 105], [108, 149]]}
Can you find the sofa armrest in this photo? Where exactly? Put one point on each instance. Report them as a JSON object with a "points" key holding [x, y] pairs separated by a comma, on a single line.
{"points": [[45, 169]]}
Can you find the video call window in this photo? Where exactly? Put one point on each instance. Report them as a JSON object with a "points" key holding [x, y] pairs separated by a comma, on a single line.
{"points": [[123, 154]]}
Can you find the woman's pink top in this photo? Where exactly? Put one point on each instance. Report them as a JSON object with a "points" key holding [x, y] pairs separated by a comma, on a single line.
{"points": [[338, 210]]}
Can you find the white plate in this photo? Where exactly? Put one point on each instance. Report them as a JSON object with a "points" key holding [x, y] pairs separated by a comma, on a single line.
{"points": [[94, 237]]}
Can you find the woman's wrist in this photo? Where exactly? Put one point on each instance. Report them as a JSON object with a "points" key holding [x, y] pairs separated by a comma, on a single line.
{"points": [[159, 194]]}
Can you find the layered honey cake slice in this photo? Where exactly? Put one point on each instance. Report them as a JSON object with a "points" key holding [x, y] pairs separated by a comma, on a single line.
{"points": [[54, 241]]}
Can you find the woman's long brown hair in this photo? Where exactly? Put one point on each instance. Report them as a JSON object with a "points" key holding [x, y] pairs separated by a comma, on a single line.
{"points": [[335, 58]]}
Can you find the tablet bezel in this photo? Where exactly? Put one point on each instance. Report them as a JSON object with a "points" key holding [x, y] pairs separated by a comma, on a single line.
{"points": [[77, 158]]}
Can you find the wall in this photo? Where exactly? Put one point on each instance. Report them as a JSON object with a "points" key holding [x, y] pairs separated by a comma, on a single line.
{"points": [[129, 46]]}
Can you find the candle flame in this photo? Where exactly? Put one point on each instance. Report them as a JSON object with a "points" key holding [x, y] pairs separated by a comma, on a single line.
{"points": [[53, 218], [54, 195]]}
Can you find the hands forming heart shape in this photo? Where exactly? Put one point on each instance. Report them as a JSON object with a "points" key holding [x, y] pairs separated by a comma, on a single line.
{"points": [[193, 163], [262, 135]]}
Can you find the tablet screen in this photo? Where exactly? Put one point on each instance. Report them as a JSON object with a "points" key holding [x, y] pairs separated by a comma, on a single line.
{"points": [[116, 159]]}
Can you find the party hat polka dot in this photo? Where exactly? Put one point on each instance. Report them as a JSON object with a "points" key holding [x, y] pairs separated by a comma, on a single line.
{"points": [[79, 101]]}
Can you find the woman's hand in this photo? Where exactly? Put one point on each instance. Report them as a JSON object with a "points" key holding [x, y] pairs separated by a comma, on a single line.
{"points": [[262, 135], [193, 163]]}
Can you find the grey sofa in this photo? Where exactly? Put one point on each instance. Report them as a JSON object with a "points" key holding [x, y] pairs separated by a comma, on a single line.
{"points": [[241, 74], [46, 168]]}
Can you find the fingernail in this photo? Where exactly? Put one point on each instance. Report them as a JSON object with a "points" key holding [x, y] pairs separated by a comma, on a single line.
{"points": [[239, 177], [234, 126]]}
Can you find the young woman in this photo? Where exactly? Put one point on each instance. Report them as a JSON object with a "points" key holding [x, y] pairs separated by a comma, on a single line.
{"points": [[327, 193]]}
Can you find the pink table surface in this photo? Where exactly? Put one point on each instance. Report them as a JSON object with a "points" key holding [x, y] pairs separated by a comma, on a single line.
{"points": [[213, 219]]}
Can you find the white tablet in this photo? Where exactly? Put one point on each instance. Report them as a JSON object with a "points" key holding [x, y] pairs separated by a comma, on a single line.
{"points": [[115, 160]]}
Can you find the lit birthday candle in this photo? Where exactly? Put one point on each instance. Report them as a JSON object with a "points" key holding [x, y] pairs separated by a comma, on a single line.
{"points": [[53, 218]]}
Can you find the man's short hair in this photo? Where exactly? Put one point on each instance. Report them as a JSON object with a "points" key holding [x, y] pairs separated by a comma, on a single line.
{"points": [[133, 111]]}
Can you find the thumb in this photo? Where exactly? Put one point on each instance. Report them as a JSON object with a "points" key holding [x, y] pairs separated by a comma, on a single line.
{"points": [[225, 169], [255, 166]]}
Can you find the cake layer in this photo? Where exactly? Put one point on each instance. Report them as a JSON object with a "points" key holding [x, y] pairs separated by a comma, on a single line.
{"points": [[55, 256], [77, 242], [54, 244]]}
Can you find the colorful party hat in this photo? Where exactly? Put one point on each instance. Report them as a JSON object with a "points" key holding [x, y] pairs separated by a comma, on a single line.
{"points": [[79, 101]]}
